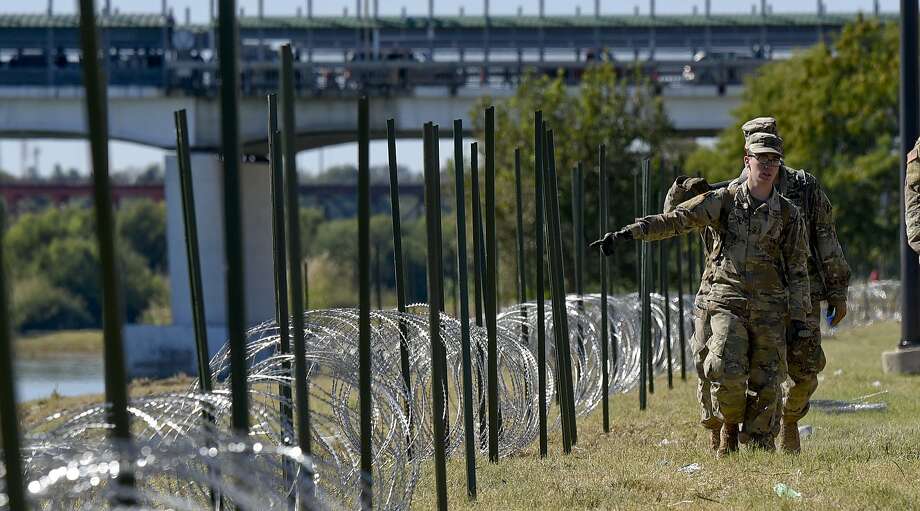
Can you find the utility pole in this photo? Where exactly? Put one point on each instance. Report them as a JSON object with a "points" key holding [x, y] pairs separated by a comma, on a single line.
{"points": [[906, 359]]}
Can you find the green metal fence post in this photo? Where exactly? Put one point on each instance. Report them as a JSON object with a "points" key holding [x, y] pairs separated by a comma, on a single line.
{"points": [[398, 257], [465, 351], [364, 303], [539, 158], [560, 316], [116, 385], [435, 281], [605, 338], [295, 276], [681, 331], [644, 340], [478, 274], [491, 298], [9, 418], [521, 254], [191, 248]]}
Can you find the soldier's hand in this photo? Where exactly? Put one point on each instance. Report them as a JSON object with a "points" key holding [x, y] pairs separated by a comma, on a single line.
{"points": [[607, 244], [836, 311], [799, 329]]}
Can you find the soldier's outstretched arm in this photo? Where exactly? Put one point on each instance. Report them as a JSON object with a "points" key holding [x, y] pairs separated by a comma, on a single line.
{"points": [[699, 212], [795, 259], [836, 270]]}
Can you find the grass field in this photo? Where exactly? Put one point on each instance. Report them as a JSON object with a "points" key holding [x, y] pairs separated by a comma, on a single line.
{"points": [[866, 460], [56, 344]]}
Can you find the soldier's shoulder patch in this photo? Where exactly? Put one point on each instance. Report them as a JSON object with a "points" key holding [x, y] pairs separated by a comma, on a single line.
{"points": [[912, 155]]}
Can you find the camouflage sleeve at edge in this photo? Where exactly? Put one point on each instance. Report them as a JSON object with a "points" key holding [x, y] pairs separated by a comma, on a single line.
{"points": [[795, 257], [912, 206], [694, 214], [833, 262]]}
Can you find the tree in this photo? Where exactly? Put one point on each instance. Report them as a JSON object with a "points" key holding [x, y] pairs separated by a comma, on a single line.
{"points": [[142, 225], [625, 114], [837, 110], [58, 247]]}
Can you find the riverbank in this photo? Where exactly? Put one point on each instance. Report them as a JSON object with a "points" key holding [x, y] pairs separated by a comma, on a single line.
{"points": [[37, 409], [63, 343]]}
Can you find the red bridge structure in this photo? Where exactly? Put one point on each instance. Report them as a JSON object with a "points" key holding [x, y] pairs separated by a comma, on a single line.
{"points": [[14, 192]]}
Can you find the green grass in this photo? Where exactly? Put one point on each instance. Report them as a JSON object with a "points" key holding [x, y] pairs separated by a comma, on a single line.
{"points": [[61, 343], [868, 460]]}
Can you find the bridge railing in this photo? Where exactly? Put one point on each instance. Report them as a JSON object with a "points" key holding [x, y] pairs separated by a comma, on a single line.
{"points": [[199, 77]]}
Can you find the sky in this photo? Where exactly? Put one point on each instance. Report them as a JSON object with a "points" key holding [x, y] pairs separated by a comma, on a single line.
{"points": [[75, 153]]}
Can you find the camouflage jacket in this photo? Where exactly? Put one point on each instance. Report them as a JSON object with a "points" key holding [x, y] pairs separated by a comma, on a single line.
{"points": [[912, 198], [759, 256], [829, 277]]}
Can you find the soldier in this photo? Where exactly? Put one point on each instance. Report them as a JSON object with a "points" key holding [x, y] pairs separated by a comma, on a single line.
{"points": [[828, 276], [684, 189], [912, 197], [758, 276]]}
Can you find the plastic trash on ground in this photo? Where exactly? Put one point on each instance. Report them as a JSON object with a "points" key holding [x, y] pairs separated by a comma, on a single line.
{"points": [[691, 468], [785, 491], [806, 431]]}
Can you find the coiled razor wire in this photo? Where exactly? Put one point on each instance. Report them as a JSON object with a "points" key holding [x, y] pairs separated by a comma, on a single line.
{"points": [[180, 455]]}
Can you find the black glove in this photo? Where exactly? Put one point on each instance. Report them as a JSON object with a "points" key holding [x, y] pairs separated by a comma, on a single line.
{"points": [[608, 243], [799, 329]]}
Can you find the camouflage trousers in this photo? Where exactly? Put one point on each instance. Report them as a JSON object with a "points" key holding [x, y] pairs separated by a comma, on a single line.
{"points": [[740, 358], [805, 359]]}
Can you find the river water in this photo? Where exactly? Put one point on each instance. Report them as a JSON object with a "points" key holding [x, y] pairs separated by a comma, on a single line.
{"points": [[68, 376]]}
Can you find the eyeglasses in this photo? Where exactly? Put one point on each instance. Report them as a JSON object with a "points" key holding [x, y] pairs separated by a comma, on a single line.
{"points": [[767, 161]]}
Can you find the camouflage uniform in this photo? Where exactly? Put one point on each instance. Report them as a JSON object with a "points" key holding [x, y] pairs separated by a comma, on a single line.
{"points": [[757, 274], [684, 189], [912, 197], [828, 279]]}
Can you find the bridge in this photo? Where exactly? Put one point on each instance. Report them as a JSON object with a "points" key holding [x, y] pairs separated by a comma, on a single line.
{"points": [[416, 69]]}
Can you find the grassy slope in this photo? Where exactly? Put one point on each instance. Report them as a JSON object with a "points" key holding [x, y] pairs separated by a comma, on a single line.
{"points": [[55, 344], [869, 460]]}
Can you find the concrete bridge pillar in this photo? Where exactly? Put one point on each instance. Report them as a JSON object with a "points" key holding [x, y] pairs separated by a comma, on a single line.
{"points": [[156, 351]]}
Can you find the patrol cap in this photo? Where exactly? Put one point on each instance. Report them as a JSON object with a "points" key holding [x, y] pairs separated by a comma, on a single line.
{"points": [[758, 125], [765, 143]]}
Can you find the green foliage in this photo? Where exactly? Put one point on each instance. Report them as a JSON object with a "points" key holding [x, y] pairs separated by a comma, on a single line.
{"points": [[625, 114], [54, 260], [837, 109], [142, 225], [37, 305]]}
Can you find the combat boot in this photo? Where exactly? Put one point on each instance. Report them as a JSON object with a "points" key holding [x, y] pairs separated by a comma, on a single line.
{"points": [[763, 442], [789, 437], [729, 440], [715, 439]]}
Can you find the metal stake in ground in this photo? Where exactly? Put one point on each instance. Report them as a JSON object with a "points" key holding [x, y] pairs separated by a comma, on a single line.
{"points": [[194, 268], [560, 319], [398, 253], [468, 427], [647, 208], [116, 387], [478, 271], [664, 274], [295, 277], [364, 302], [681, 333], [491, 298], [644, 298], [605, 339], [435, 281], [521, 255], [538, 160], [9, 418], [191, 249]]}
